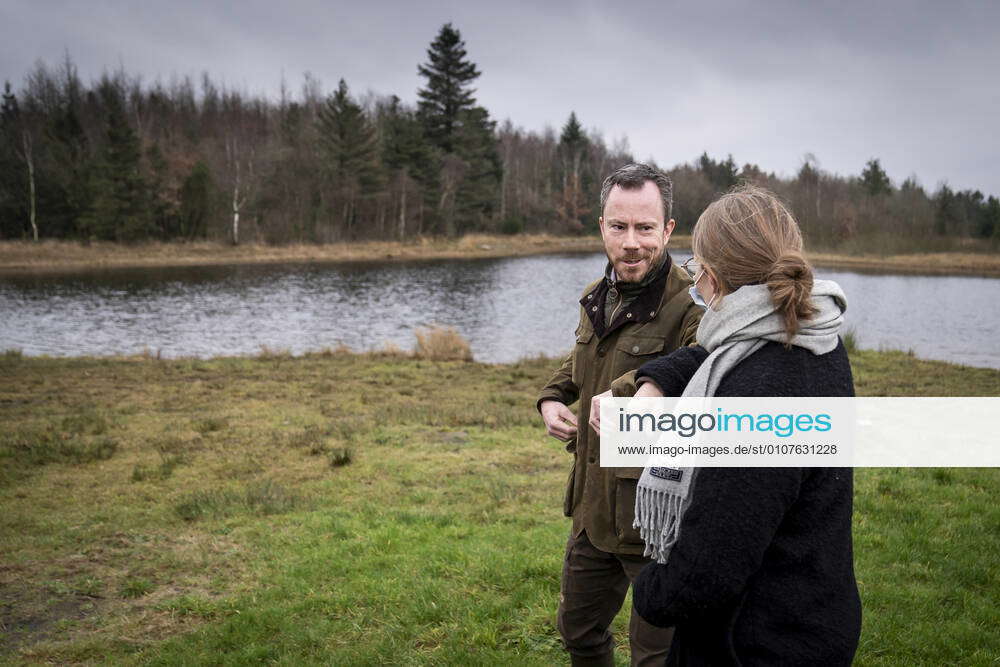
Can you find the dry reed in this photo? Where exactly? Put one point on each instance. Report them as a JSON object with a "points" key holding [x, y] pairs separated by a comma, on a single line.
{"points": [[438, 343]]}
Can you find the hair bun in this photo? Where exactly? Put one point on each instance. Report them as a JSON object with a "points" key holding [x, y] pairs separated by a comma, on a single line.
{"points": [[790, 282], [790, 266]]}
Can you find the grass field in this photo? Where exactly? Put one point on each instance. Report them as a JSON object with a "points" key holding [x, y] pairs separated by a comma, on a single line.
{"points": [[367, 510]]}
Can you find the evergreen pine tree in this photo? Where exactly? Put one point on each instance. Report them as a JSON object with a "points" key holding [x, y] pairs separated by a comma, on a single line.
{"points": [[572, 135], [945, 213], [347, 137], [874, 179], [350, 154], [478, 195], [462, 132], [447, 94], [163, 210], [403, 143], [991, 225], [408, 158], [808, 175], [722, 174], [910, 185], [195, 202], [571, 202], [120, 207], [972, 207], [13, 181], [67, 162], [8, 108], [68, 196]]}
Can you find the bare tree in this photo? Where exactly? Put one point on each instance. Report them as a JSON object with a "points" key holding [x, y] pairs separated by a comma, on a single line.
{"points": [[245, 128], [28, 156], [235, 159]]}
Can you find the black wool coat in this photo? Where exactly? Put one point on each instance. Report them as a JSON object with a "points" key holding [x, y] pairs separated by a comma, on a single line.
{"points": [[763, 570]]}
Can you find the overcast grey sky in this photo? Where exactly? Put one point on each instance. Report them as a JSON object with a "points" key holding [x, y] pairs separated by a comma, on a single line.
{"points": [[916, 84]]}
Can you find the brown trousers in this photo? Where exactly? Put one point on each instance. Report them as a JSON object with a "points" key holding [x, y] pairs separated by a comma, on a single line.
{"points": [[594, 584]]}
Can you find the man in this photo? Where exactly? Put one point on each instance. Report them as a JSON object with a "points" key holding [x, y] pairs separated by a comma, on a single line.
{"points": [[640, 310]]}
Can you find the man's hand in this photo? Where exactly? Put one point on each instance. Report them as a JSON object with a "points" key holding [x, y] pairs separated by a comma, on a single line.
{"points": [[595, 410], [560, 422]]}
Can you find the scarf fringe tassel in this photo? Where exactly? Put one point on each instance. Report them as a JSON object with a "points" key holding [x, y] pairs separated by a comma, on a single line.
{"points": [[658, 521]]}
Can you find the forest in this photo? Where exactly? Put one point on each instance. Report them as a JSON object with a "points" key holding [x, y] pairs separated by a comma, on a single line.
{"points": [[123, 160]]}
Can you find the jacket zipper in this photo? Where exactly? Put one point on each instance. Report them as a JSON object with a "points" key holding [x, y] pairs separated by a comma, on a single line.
{"points": [[621, 300]]}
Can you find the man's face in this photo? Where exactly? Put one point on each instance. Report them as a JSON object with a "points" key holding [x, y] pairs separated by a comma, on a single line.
{"points": [[634, 232]]}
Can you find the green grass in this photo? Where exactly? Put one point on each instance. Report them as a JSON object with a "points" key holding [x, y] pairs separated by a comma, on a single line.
{"points": [[136, 588], [364, 510]]}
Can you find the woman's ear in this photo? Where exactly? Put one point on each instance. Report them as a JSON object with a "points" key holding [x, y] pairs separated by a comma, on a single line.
{"points": [[716, 285]]}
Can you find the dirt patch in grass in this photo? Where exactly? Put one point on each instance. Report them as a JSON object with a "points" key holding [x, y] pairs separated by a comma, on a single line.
{"points": [[127, 588], [30, 614]]}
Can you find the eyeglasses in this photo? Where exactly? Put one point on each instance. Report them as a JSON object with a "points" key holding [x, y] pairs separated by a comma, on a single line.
{"points": [[692, 267]]}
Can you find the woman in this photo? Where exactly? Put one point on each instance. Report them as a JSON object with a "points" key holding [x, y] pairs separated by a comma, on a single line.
{"points": [[753, 565]]}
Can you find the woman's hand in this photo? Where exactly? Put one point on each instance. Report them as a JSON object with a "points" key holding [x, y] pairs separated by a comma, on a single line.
{"points": [[648, 389], [595, 410]]}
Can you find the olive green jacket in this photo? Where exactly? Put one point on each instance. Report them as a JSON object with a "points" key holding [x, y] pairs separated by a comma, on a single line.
{"points": [[661, 319]]}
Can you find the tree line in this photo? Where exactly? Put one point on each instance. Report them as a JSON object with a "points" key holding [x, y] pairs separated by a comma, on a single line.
{"points": [[122, 161]]}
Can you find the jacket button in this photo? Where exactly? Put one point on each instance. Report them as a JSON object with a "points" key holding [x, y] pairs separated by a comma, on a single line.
{"points": [[600, 351], [590, 296], [591, 460], [628, 314], [652, 312], [594, 309], [635, 349]]}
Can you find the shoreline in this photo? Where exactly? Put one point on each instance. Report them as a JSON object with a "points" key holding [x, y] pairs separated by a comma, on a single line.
{"points": [[392, 352], [19, 258], [987, 377], [26, 258]]}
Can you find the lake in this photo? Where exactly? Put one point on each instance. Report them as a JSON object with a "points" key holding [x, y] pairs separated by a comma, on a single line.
{"points": [[507, 308]]}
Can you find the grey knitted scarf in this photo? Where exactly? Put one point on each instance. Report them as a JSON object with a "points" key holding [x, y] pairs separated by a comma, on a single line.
{"points": [[744, 321]]}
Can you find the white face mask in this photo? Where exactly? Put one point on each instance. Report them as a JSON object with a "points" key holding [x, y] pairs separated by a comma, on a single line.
{"points": [[696, 296], [698, 301]]}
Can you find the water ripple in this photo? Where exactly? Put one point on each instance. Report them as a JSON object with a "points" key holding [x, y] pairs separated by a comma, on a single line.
{"points": [[506, 308]]}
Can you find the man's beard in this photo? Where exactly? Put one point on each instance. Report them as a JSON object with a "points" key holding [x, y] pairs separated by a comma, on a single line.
{"points": [[626, 273]]}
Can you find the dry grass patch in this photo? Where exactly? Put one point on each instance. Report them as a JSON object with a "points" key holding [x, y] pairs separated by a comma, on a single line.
{"points": [[23, 256], [437, 343], [51, 255], [265, 351], [967, 263]]}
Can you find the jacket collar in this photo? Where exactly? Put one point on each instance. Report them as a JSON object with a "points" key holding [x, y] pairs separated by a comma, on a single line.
{"points": [[642, 309]]}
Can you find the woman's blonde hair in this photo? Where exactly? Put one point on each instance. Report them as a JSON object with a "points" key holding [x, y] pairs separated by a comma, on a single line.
{"points": [[748, 237]]}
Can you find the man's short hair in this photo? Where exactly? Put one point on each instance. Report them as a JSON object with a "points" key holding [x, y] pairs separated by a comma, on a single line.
{"points": [[633, 177]]}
